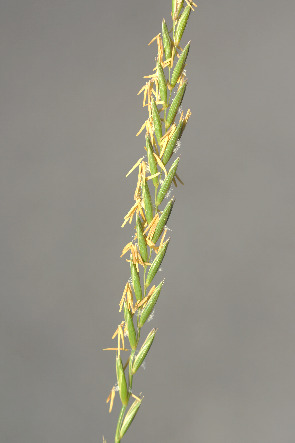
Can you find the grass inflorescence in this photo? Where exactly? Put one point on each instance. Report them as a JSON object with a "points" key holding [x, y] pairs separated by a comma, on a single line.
{"points": [[163, 95]]}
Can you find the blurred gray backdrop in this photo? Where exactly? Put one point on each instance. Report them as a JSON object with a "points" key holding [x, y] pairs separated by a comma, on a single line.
{"points": [[222, 367]]}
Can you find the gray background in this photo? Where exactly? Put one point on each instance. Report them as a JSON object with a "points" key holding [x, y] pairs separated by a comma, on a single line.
{"points": [[222, 367]]}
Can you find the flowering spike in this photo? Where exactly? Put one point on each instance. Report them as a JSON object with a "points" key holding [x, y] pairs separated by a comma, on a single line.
{"points": [[148, 245]]}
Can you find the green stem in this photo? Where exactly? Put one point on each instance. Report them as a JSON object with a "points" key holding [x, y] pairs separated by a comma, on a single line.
{"points": [[144, 289], [130, 369], [156, 190], [174, 26]]}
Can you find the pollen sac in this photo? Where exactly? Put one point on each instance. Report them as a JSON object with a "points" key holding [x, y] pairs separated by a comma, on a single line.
{"points": [[177, 71], [143, 351], [182, 24], [130, 327], [163, 220], [156, 264], [150, 305], [129, 417], [167, 182], [123, 391], [141, 240], [172, 143], [175, 105]]}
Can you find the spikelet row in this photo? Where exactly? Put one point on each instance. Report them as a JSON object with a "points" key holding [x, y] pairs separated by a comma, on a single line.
{"points": [[149, 245]]}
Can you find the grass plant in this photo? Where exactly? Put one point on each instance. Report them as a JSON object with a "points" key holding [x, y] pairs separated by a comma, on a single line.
{"points": [[163, 94]]}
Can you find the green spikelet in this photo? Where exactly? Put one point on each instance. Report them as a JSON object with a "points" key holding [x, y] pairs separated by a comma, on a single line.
{"points": [[157, 122], [167, 182], [163, 220], [152, 161], [156, 264], [129, 417], [123, 391], [141, 240], [143, 351], [162, 84], [166, 41], [175, 105], [135, 281], [177, 71], [148, 206], [172, 143], [176, 8], [182, 24], [150, 305], [130, 327]]}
